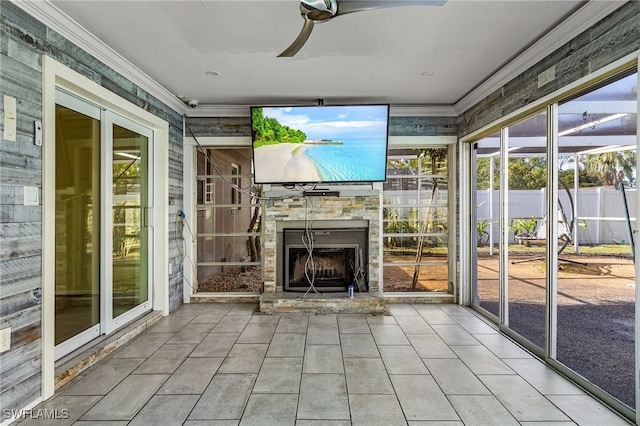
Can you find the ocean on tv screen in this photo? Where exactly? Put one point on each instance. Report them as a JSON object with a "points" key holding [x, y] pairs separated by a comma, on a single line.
{"points": [[320, 144]]}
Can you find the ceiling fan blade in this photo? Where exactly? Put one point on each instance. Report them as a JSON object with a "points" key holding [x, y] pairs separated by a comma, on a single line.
{"points": [[300, 40], [350, 6]]}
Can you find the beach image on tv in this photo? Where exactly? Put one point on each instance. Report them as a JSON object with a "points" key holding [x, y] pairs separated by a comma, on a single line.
{"points": [[319, 144]]}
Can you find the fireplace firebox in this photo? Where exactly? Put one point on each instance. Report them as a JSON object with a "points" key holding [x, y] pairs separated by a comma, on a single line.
{"points": [[332, 259]]}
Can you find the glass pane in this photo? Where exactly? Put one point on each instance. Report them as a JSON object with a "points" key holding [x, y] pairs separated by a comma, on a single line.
{"points": [[527, 161], [486, 196], [228, 223], [596, 281], [130, 232], [416, 220], [77, 286]]}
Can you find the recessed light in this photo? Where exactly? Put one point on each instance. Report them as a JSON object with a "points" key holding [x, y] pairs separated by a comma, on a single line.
{"points": [[427, 73], [211, 73]]}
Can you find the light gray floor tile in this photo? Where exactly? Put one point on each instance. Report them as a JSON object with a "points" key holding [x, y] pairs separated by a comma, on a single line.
{"points": [[452, 310], [244, 358], [323, 359], [208, 317], [482, 410], [414, 324], [165, 360], [502, 346], [144, 345], [194, 333], [481, 361], [232, 324], [367, 376], [126, 399], [434, 315], [270, 409], [359, 346], [353, 324], [475, 325], [430, 346], [279, 375], [323, 397], [215, 345], [192, 309], [170, 324], [586, 411], [380, 319], [455, 335], [542, 377], [224, 398], [265, 319], [75, 405], [402, 360], [521, 399], [104, 377], [422, 399], [331, 319], [245, 309], [192, 377], [293, 324], [165, 410], [395, 368], [287, 345], [388, 334], [454, 377], [323, 334], [257, 333], [547, 424], [374, 410], [401, 309]]}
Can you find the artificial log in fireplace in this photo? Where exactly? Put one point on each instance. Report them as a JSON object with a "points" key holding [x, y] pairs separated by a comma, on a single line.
{"points": [[332, 260]]}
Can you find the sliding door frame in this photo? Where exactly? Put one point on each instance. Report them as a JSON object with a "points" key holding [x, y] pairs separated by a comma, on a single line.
{"points": [[57, 76]]}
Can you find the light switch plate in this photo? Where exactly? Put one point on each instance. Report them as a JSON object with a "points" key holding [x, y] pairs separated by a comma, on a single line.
{"points": [[10, 119], [5, 339], [31, 196], [37, 130]]}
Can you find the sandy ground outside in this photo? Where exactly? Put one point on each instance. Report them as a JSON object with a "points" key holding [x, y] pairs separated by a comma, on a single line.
{"points": [[284, 162]]}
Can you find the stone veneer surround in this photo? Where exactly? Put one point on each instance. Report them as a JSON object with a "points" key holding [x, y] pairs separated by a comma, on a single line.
{"points": [[297, 209]]}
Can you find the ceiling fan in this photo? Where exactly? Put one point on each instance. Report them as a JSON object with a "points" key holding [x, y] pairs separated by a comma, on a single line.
{"points": [[313, 11]]}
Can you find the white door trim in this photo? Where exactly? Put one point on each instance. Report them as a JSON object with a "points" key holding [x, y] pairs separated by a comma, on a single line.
{"points": [[56, 75]]}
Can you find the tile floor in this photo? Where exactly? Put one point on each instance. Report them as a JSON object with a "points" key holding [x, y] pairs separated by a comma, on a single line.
{"points": [[222, 364]]}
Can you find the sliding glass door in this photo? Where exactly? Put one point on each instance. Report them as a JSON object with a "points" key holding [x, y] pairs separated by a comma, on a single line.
{"points": [[102, 239], [562, 278]]}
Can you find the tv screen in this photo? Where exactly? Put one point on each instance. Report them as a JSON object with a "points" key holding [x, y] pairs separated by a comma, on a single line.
{"points": [[320, 144]]}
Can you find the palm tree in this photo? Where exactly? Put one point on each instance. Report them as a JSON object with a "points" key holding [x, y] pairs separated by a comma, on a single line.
{"points": [[612, 166]]}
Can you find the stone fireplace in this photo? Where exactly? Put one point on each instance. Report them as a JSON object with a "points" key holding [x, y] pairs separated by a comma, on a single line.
{"points": [[345, 229]]}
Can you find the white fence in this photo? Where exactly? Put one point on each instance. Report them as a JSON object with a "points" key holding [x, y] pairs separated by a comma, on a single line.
{"points": [[600, 212]]}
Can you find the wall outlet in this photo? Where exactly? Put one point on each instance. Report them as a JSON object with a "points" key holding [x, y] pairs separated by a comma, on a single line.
{"points": [[5, 339]]}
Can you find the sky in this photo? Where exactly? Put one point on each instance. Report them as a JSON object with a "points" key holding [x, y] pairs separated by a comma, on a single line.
{"points": [[334, 122]]}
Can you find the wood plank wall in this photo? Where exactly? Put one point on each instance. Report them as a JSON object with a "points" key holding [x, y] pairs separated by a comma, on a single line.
{"points": [[23, 41], [609, 40], [398, 126]]}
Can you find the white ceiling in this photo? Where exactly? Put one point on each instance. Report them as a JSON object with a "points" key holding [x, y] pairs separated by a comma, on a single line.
{"points": [[375, 56]]}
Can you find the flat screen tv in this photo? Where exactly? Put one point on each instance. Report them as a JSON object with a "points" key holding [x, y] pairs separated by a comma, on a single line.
{"points": [[319, 144]]}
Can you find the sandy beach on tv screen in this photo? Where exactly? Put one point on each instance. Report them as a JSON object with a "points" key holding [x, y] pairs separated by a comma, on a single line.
{"points": [[279, 163]]}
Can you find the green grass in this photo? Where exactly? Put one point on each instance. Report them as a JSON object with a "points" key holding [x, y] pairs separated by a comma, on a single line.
{"points": [[593, 250]]}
